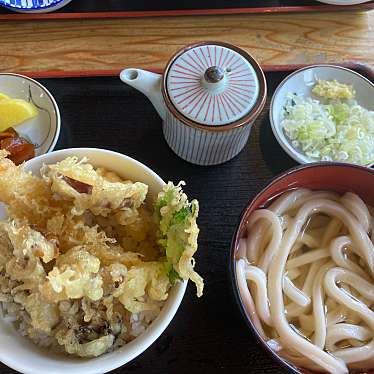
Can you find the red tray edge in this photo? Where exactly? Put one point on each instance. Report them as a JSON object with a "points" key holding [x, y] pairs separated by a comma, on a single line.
{"points": [[188, 12], [367, 69]]}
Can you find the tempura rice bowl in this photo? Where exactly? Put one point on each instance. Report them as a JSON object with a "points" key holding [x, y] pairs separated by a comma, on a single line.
{"points": [[336, 177], [22, 354]]}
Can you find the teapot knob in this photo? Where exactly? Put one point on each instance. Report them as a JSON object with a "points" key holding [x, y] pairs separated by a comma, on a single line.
{"points": [[214, 74]]}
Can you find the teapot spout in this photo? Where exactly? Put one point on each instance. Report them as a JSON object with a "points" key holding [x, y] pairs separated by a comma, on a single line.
{"points": [[149, 84]]}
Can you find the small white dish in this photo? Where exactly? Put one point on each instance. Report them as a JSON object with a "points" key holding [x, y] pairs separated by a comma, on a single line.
{"points": [[301, 82], [28, 6], [22, 354], [44, 129], [343, 2]]}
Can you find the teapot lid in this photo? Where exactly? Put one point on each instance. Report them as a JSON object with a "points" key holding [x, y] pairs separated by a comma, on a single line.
{"points": [[213, 84]]}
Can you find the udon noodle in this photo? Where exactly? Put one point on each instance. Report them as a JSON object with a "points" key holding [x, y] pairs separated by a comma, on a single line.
{"points": [[305, 276]]}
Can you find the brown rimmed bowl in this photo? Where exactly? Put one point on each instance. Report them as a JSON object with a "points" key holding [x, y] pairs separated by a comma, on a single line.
{"points": [[338, 177]]}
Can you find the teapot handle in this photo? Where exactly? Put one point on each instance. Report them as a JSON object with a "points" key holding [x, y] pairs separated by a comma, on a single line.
{"points": [[149, 84]]}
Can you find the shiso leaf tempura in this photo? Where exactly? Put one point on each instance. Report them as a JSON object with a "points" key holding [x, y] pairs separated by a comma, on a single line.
{"points": [[85, 263], [179, 231]]}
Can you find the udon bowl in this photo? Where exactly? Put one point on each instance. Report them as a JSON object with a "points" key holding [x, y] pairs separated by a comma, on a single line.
{"points": [[338, 177], [22, 354]]}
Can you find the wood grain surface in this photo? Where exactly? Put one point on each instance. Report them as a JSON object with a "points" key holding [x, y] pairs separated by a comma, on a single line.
{"points": [[101, 44]]}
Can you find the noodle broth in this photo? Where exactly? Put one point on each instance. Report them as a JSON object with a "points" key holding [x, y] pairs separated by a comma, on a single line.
{"points": [[301, 269]]}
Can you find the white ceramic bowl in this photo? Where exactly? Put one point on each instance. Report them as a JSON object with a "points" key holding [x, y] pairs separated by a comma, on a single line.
{"points": [[301, 82], [22, 355], [27, 6], [44, 129]]}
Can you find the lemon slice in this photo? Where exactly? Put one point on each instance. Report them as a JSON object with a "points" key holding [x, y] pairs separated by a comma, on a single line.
{"points": [[3, 96], [15, 111]]}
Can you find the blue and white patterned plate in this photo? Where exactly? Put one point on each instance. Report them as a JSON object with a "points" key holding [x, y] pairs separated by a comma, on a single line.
{"points": [[34, 6]]}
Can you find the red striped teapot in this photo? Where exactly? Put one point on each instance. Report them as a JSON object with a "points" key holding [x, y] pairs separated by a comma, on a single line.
{"points": [[208, 98]]}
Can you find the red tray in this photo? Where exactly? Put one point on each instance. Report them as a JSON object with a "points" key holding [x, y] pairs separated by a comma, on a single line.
{"points": [[78, 9], [364, 69]]}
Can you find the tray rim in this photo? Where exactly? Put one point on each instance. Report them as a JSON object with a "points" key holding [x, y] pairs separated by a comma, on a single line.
{"points": [[267, 68], [186, 12]]}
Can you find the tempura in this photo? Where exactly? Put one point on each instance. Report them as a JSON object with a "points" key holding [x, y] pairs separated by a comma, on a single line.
{"points": [[85, 264]]}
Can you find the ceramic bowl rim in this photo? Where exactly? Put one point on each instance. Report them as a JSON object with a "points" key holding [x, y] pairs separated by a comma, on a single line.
{"points": [[340, 3]]}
